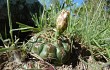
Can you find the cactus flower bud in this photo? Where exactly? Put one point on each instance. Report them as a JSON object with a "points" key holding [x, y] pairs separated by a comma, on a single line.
{"points": [[62, 21]]}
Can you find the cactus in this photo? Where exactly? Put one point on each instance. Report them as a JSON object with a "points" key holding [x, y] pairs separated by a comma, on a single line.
{"points": [[47, 46]]}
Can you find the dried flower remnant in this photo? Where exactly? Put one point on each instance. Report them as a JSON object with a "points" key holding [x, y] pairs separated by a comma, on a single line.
{"points": [[62, 21]]}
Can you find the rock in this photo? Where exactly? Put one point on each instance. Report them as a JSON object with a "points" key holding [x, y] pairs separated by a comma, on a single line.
{"points": [[20, 12]]}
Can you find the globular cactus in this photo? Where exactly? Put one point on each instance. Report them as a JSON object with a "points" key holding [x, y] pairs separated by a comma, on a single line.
{"points": [[47, 46]]}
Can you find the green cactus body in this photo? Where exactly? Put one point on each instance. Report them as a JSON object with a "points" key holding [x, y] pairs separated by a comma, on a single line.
{"points": [[37, 48], [60, 51], [66, 43], [60, 55], [48, 52], [47, 47], [45, 51], [66, 47]]}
